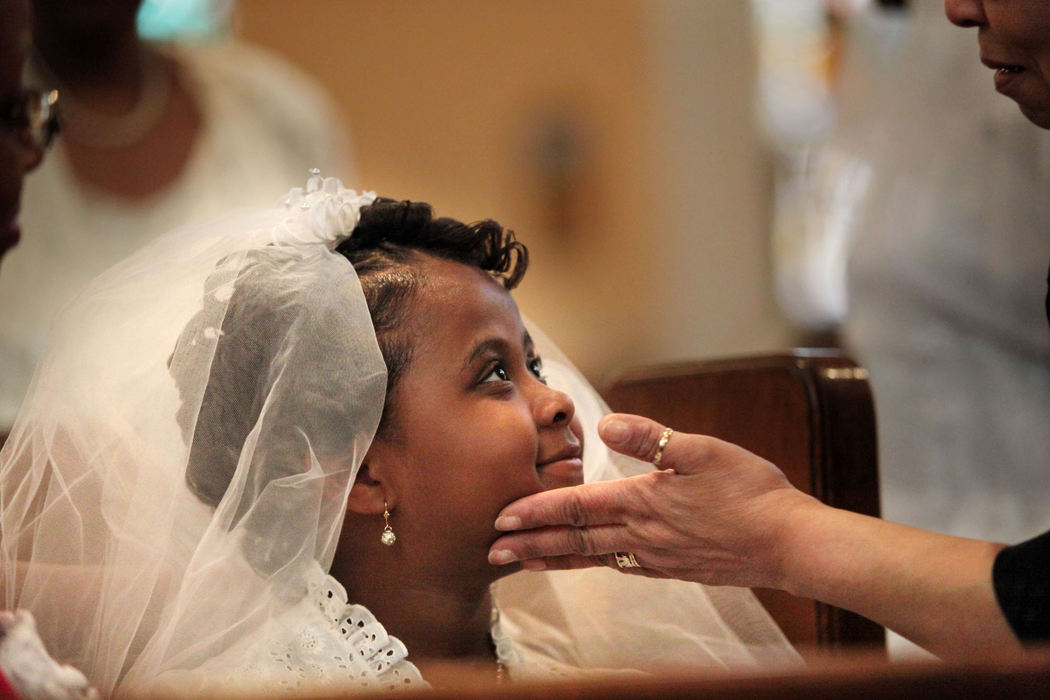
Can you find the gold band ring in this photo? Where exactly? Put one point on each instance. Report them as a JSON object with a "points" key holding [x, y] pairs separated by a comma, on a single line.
{"points": [[626, 560], [664, 437]]}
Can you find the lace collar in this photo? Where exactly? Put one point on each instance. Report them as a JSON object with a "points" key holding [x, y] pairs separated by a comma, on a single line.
{"points": [[329, 641], [324, 641], [352, 645]]}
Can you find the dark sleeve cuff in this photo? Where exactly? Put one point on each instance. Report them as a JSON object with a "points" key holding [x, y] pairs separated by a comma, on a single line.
{"points": [[1021, 575]]}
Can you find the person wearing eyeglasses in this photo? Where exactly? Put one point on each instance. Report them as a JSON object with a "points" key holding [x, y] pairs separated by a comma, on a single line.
{"points": [[30, 121], [28, 124], [718, 514]]}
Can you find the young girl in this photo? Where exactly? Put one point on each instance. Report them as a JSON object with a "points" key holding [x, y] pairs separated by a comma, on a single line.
{"points": [[269, 451]]}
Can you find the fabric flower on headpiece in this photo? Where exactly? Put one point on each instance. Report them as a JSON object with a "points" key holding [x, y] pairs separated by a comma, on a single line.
{"points": [[324, 212]]}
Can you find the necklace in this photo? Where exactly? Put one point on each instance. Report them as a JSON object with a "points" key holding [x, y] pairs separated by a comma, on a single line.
{"points": [[95, 129]]}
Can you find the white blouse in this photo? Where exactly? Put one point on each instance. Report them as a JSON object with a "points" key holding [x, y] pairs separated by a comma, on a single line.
{"points": [[264, 125]]}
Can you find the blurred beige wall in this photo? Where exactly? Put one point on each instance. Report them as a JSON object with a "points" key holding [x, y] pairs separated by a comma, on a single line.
{"points": [[614, 136]]}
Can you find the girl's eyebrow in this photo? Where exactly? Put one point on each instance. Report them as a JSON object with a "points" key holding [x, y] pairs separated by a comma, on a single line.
{"points": [[493, 345], [497, 345]]}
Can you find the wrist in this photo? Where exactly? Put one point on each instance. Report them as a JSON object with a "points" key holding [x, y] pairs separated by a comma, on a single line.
{"points": [[793, 539]]}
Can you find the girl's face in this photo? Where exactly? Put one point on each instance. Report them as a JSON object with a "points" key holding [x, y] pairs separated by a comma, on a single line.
{"points": [[475, 426], [1014, 36]]}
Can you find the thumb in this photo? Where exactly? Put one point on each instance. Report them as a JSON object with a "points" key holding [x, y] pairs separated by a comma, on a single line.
{"points": [[634, 436]]}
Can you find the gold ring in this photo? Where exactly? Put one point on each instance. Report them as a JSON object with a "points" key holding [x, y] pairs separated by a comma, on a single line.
{"points": [[664, 437], [626, 560]]}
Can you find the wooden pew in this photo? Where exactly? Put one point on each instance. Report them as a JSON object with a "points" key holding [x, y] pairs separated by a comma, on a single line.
{"points": [[847, 675]]}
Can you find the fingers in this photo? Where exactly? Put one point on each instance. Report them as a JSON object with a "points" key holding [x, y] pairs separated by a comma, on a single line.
{"points": [[638, 437], [575, 561], [564, 548], [572, 561], [589, 504], [550, 542]]}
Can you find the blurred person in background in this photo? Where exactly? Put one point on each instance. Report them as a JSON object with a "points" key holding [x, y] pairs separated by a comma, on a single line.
{"points": [[154, 135], [918, 229], [29, 125], [24, 138]]}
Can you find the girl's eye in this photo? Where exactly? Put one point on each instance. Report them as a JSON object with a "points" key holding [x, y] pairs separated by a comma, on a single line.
{"points": [[497, 374], [536, 367]]}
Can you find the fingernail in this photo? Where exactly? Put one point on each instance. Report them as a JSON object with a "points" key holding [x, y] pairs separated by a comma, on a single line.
{"points": [[616, 431], [533, 565], [502, 556], [508, 522]]}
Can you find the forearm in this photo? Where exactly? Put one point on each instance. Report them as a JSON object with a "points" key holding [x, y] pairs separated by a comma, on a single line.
{"points": [[933, 589]]}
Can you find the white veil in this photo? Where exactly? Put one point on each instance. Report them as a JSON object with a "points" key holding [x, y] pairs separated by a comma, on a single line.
{"points": [[147, 547], [128, 572]]}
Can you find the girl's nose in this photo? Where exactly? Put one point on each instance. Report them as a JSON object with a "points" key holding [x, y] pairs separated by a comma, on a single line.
{"points": [[553, 407]]}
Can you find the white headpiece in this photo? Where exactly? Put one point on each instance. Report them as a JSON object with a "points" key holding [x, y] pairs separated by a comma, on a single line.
{"points": [[177, 478]]}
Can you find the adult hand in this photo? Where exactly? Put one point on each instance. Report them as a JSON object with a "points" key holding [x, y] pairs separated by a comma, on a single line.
{"points": [[718, 514], [714, 513]]}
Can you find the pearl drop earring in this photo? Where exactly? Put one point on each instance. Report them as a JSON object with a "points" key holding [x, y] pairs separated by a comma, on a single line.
{"points": [[388, 537]]}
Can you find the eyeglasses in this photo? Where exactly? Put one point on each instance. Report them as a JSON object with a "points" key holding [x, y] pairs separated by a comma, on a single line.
{"points": [[35, 114]]}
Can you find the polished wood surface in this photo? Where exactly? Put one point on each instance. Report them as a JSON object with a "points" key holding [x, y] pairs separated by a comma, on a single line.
{"points": [[847, 676], [811, 413]]}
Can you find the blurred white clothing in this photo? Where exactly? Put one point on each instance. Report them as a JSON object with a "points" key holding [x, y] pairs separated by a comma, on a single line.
{"points": [[264, 125], [935, 188]]}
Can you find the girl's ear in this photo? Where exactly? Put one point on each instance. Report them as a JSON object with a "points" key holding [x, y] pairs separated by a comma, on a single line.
{"points": [[368, 495]]}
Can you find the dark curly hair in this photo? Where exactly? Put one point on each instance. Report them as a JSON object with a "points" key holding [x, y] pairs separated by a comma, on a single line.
{"points": [[385, 248], [389, 239]]}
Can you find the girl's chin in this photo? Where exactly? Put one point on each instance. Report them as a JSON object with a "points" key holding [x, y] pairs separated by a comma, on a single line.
{"points": [[567, 472]]}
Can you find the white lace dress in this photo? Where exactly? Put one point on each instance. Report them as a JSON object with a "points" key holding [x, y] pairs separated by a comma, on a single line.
{"points": [[336, 643], [322, 642], [326, 642]]}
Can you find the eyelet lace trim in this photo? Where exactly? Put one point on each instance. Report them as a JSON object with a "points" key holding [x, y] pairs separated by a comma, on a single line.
{"points": [[326, 641], [335, 644], [506, 656]]}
